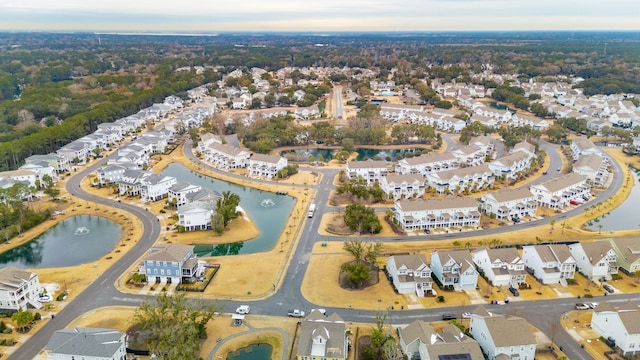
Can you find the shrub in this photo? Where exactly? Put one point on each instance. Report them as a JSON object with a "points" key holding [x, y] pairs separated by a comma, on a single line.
{"points": [[440, 298], [37, 316], [61, 296]]}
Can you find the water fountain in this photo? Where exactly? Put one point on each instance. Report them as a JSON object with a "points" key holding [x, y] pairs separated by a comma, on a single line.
{"points": [[267, 203], [82, 230]]}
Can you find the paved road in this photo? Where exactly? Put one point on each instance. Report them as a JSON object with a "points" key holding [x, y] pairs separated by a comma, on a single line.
{"points": [[337, 98], [543, 314]]}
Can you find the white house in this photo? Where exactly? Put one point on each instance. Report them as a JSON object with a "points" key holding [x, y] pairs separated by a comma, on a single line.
{"points": [[196, 215], [427, 163], [558, 192], [622, 324], [87, 344], [511, 166], [583, 146], [265, 166], [502, 336], [503, 267], [403, 186], [455, 269], [370, 170], [594, 168], [19, 289], [550, 264], [509, 203], [225, 156], [410, 274], [419, 340], [323, 337], [25, 176], [178, 192], [470, 155], [156, 187], [597, 260], [466, 179], [437, 214]]}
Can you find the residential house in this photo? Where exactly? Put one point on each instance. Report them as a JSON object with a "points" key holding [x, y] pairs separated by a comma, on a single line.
{"points": [[156, 187], [583, 146], [171, 264], [550, 264], [467, 179], [628, 251], [511, 166], [111, 173], [454, 268], [509, 203], [196, 215], [526, 147], [322, 337], [265, 166], [594, 168], [58, 162], [502, 267], [307, 113], [558, 192], [536, 123], [597, 260], [437, 214], [370, 170], [87, 344], [427, 163], [403, 186], [19, 289], [621, 324], [419, 340], [470, 155], [24, 176], [224, 156], [502, 337], [177, 194], [410, 274]]}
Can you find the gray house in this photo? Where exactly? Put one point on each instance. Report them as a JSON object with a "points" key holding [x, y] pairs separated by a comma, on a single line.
{"points": [[87, 343]]}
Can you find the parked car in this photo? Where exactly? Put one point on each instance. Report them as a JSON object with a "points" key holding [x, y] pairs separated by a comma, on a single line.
{"points": [[514, 291], [448, 316], [466, 315], [44, 298], [581, 306], [544, 173], [243, 309], [592, 305], [608, 288]]}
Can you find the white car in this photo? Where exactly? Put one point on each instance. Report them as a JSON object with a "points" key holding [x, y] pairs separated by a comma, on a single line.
{"points": [[466, 315], [243, 309], [44, 298]]}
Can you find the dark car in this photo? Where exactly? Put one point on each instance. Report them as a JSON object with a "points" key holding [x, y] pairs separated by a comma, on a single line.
{"points": [[544, 173], [514, 291], [427, 231], [448, 316], [608, 288]]}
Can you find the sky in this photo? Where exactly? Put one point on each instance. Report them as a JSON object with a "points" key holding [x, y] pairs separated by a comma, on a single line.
{"points": [[318, 15]]}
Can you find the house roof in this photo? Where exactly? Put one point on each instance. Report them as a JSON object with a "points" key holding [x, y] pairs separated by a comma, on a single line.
{"points": [[331, 329], [171, 252], [511, 159], [11, 277], [524, 145], [409, 261], [554, 252], [561, 182], [369, 164], [450, 341], [272, 159], [582, 143], [95, 342], [595, 251], [461, 257], [462, 172], [508, 255], [628, 312], [628, 247], [409, 178], [507, 194], [509, 330], [438, 204], [429, 158], [591, 161]]}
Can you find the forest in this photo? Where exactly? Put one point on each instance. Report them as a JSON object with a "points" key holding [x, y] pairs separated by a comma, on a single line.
{"points": [[55, 88]]}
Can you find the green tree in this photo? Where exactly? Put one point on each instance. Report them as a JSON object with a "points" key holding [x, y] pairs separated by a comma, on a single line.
{"points": [[217, 223], [226, 206], [362, 219], [357, 273], [23, 319], [177, 325]]}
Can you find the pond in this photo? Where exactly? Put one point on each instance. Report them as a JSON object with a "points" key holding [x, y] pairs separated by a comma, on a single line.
{"points": [[252, 352], [77, 240], [495, 105], [267, 210], [624, 217], [304, 154]]}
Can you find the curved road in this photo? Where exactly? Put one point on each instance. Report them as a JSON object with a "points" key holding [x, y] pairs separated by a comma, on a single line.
{"points": [[543, 313]]}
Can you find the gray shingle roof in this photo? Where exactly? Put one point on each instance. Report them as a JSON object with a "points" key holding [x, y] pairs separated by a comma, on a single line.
{"points": [[95, 342]]}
